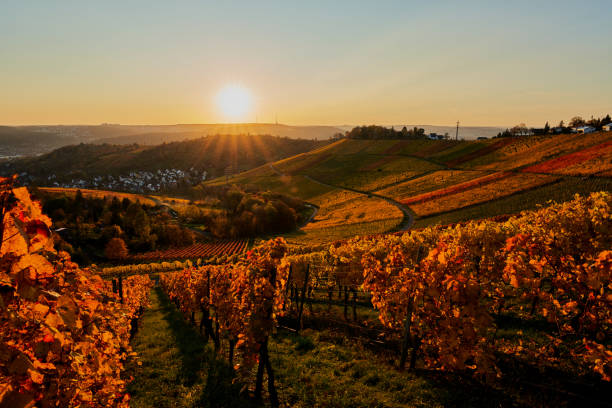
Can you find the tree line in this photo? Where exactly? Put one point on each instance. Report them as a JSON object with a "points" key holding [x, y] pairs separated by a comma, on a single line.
{"points": [[94, 229], [380, 132], [237, 212]]}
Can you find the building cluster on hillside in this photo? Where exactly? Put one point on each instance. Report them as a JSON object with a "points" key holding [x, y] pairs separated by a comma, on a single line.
{"points": [[576, 125], [437, 136], [135, 181]]}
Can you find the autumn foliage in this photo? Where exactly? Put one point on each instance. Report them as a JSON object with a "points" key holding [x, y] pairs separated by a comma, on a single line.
{"points": [[239, 302], [116, 249], [441, 288], [458, 188], [63, 333], [570, 159]]}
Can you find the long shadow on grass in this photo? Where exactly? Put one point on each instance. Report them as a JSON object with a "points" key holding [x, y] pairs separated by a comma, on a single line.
{"points": [[188, 341], [524, 382], [219, 390], [450, 390]]}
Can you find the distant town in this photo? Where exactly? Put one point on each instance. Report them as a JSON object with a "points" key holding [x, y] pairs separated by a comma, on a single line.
{"points": [[134, 182]]}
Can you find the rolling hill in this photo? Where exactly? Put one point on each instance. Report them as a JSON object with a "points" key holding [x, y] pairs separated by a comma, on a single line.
{"points": [[359, 185], [215, 155], [154, 134], [151, 135], [15, 141], [39, 139]]}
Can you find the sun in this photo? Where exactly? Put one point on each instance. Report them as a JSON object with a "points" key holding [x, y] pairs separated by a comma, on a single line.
{"points": [[234, 101]]}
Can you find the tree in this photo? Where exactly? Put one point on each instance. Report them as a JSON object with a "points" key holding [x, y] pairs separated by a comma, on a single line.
{"points": [[112, 231], [606, 120], [561, 124], [519, 130], [576, 121], [79, 202], [596, 123], [116, 249], [546, 128]]}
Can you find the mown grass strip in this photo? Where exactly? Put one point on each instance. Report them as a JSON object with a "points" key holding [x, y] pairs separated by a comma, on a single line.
{"points": [[177, 368]]}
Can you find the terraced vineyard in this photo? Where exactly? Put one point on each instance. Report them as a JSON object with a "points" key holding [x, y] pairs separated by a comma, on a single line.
{"points": [[457, 188], [502, 187], [441, 181], [536, 149], [199, 250], [591, 160]]}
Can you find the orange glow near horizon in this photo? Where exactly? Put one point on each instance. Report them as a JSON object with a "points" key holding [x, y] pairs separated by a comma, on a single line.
{"points": [[86, 63]]}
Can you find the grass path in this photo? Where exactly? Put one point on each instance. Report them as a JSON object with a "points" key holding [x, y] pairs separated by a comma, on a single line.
{"points": [[178, 369], [321, 368]]}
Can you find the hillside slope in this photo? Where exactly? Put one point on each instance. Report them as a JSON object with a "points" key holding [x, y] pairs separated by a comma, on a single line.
{"points": [[214, 154], [441, 181], [16, 141], [39, 139]]}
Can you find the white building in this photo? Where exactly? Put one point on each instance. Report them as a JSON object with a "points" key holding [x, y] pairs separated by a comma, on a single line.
{"points": [[607, 128], [585, 129]]}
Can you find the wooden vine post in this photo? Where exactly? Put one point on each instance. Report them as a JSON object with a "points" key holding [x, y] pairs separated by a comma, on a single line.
{"points": [[301, 306], [207, 323], [121, 288], [310, 298], [406, 338], [346, 302], [354, 303], [288, 288], [264, 359]]}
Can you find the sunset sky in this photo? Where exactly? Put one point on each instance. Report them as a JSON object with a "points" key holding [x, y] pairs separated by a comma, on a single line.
{"points": [[317, 62]]}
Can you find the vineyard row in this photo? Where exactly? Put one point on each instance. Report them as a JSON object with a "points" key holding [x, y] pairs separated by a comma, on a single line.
{"points": [[438, 291]]}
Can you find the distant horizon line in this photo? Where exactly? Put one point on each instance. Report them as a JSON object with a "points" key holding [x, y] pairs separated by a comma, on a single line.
{"points": [[249, 124]]}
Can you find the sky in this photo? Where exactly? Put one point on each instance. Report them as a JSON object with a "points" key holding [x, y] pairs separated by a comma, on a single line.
{"points": [[484, 63]]}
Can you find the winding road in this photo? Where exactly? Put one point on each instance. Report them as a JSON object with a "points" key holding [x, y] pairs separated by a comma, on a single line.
{"points": [[407, 220]]}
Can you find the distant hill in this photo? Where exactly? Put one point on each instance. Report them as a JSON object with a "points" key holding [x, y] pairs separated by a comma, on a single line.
{"points": [[15, 141], [214, 154], [38, 139], [155, 134], [150, 135]]}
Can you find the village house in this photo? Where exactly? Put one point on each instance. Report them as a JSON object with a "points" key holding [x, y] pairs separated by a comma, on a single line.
{"points": [[584, 129]]}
